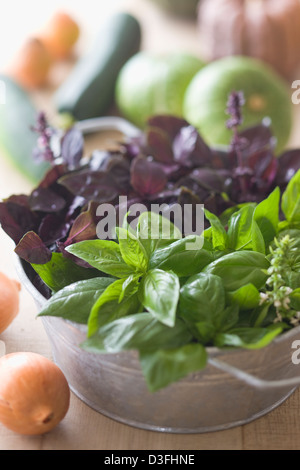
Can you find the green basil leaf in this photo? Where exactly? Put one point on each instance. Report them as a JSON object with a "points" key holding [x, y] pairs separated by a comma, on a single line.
{"points": [[266, 215], [218, 232], [240, 228], [240, 268], [130, 286], [292, 279], [295, 299], [140, 331], [112, 293], [228, 318], [259, 316], [115, 309], [258, 242], [132, 250], [284, 225], [228, 213], [178, 258], [204, 332], [75, 301], [290, 203], [163, 367], [155, 231], [160, 294], [104, 255], [246, 297], [202, 298], [60, 272], [248, 338]]}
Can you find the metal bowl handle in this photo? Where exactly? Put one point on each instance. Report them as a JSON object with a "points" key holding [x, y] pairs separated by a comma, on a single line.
{"points": [[110, 123], [251, 379]]}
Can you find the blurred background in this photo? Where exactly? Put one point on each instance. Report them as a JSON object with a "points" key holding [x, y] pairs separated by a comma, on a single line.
{"points": [[72, 61], [22, 19], [193, 83]]}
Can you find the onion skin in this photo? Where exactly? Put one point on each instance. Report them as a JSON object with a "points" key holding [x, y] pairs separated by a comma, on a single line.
{"points": [[9, 301], [34, 393]]}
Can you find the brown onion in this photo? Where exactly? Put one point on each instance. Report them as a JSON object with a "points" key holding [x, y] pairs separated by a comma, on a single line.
{"points": [[34, 393], [9, 301]]}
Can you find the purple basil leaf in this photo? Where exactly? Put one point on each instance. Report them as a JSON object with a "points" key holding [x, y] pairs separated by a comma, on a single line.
{"points": [[53, 228], [222, 159], [74, 208], [192, 185], [171, 125], [16, 218], [167, 196], [189, 148], [133, 146], [147, 176], [84, 226], [216, 203], [45, 200], [52, 176], [264, 165], [270, 173], [159, 145], [10, 226], [72, 147], [117, 165], [19, 199], [174, 171], [32, 249], [212, 180], [100, 160], [187, 196], [257, 138], [119, 169], [288, 165], [92, 185]]}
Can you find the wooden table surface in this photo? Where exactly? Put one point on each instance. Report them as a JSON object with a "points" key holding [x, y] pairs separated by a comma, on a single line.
{"points": [[83, 428]]}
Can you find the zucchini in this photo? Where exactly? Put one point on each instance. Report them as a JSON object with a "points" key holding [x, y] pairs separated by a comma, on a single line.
{"points": [[89, 90], [17, 141], [185, 8]]}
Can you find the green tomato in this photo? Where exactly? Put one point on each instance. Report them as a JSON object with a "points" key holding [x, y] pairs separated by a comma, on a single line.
{"points": [[266, 94], [151, 84]]}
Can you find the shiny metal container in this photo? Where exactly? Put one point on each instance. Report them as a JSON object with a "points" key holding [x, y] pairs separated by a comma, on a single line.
{"points": [[236, 387]]}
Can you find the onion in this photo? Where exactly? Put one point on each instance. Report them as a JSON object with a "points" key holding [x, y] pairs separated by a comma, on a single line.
{"points": [[9, 301], [34, 393]]}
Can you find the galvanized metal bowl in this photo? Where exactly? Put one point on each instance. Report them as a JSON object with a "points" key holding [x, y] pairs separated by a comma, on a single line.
{"points": [[236, 387]]}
